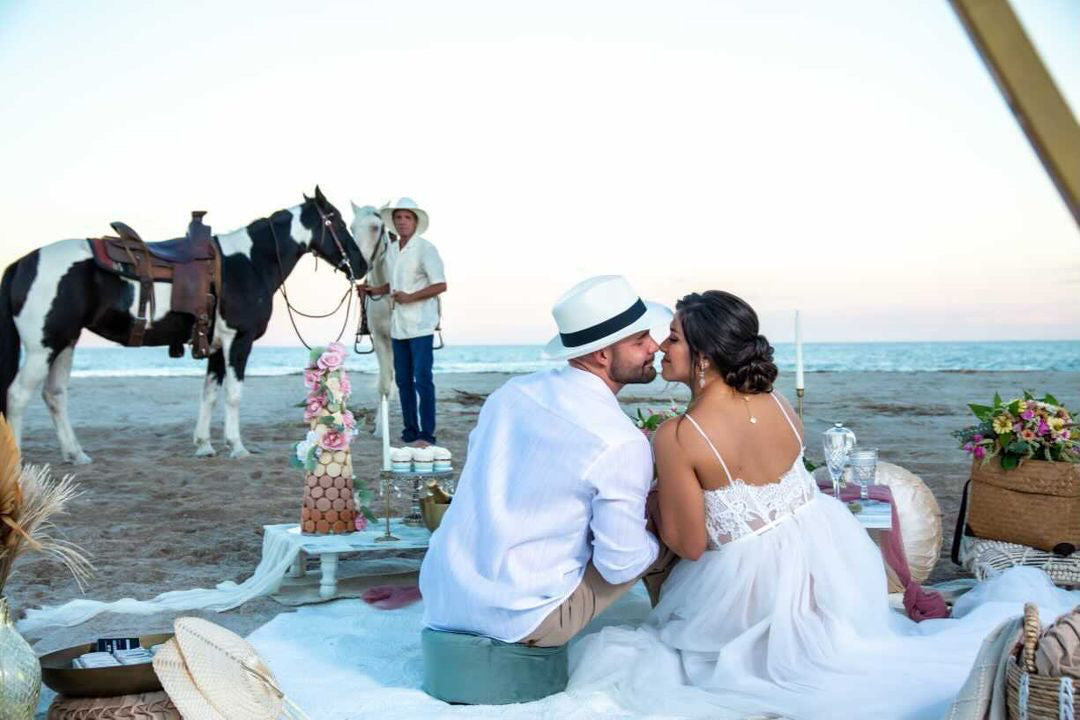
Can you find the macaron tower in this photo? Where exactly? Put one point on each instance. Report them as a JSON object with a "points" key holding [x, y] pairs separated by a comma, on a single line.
{"points": [[329, 506]]}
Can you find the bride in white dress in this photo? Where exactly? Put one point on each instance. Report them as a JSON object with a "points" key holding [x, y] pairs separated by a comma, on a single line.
{"points": [[779, 604]]}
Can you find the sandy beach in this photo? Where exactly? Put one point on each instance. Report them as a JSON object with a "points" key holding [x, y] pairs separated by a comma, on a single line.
{"points": [[156, 518]]}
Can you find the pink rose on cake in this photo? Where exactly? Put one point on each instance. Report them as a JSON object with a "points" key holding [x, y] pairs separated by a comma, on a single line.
{"points": [[348, 420], [314, 408], [334, 440], [333, 357], [312, 378]]}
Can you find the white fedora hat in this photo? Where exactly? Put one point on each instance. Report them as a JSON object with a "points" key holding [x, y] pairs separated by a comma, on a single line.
{"points": [[404, 203], [598, 312], [211, 673]]}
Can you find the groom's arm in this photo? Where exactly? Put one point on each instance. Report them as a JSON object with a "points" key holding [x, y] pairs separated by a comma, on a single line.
{"points": [[622, 548]]}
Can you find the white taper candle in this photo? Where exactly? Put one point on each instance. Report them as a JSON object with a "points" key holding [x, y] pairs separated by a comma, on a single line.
{"points": [[384, 416], [800, 381]]}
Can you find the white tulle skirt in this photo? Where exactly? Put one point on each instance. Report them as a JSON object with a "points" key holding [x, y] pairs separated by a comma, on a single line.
{"points": [[796, 621]]}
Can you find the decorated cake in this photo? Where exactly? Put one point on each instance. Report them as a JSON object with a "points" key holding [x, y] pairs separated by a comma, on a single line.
{"points": [[329, 506]]}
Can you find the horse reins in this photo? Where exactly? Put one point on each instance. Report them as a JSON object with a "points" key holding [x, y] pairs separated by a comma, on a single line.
{"points": [[327, 224], [362, 327]]}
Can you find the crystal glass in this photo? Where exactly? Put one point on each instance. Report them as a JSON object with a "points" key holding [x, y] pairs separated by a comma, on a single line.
{"points": [[864, 469], [838, 443]]}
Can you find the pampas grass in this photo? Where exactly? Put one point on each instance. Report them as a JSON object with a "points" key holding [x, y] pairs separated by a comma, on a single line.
{"points": [[30, 497]]}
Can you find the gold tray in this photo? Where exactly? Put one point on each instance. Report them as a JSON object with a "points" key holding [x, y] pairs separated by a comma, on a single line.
{"points": [[57, 673]]}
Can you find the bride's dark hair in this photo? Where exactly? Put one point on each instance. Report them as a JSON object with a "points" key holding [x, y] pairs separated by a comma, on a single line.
{"points": [[724, 329]]}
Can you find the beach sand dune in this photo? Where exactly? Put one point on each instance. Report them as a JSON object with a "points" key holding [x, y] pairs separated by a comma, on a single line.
{"points": [[157, 518]]}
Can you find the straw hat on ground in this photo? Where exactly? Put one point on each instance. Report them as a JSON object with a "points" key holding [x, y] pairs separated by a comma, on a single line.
{"points": [[404, 203], [599, 312], [211, 673]]}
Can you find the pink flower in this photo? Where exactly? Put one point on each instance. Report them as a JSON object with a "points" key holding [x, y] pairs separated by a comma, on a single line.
{"points": [[969, 447], [360, 522], [315, 405], [348, 420], [1017, 427], [980, 452], [332, 358], [312, 378], [346, 386], [1027, 414], [334, 440], [977, 438], [1044, 429]]}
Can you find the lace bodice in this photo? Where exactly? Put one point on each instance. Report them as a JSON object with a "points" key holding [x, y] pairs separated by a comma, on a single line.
{"points": [[738, 509]]}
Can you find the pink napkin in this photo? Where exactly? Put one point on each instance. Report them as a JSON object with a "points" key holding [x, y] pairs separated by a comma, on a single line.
{"points": [[921, 604], [391, 597]]}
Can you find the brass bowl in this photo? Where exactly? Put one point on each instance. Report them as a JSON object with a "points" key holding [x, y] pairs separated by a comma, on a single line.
{"points": [[57, 673], [432, 512]]}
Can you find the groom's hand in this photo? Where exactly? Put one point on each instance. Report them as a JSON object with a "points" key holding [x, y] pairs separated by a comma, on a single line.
{"points": [[652, 512]]}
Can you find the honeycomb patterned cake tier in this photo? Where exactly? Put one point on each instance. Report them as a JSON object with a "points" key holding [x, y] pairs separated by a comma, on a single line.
{"points": [[329, 507]]}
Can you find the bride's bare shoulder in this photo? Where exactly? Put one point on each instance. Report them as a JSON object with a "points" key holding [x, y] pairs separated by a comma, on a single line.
{"points": [[668, 436]]}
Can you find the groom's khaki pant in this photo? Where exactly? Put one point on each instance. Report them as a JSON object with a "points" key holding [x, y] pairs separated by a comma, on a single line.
{"points": [[591, 597]]}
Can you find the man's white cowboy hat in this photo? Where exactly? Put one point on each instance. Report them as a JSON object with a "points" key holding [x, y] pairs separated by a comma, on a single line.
{"points": [[211, 673], [599, 312], [404, 203]]}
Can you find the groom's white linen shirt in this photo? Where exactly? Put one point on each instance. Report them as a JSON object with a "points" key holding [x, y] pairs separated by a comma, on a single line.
{"points": [[416, 267], [556, 476]]}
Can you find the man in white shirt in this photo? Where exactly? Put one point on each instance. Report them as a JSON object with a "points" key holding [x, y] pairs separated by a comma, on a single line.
{"points": [[416, 279], [547, 527]]}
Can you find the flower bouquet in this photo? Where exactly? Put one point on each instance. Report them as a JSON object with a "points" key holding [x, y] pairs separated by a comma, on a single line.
{"points": [[1031, 496], [330, 503], [648, 421], [1026, 428]]}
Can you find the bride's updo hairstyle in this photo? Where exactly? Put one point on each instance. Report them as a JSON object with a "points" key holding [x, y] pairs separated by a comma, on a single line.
{"points": [[722, 328]]}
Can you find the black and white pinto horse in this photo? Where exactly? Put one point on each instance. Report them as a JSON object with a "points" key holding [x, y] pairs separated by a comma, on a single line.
{"points": [[50, 295], [371, 235]]}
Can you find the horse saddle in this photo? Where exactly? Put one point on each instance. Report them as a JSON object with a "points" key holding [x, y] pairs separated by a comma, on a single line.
{"points": [[192, 264]]}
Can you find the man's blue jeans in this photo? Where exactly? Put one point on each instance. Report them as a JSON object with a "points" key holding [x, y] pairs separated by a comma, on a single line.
{"points": [[412, 373]]}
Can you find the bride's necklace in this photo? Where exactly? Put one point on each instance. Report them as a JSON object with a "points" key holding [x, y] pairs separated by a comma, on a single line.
{"points": [[749, 412]]}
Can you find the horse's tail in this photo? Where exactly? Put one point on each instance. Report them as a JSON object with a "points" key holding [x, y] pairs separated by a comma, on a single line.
{"points": [[9, 338]]}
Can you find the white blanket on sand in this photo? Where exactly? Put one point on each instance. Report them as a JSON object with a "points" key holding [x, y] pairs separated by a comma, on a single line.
{"points": [[346, 660]]}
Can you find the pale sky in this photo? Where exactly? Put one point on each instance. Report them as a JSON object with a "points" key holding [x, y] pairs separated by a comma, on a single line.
{"points": [[849, 158]]}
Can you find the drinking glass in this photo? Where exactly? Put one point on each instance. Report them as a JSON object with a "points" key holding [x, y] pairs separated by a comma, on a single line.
{"points": [[838, 443], [864, 469]]}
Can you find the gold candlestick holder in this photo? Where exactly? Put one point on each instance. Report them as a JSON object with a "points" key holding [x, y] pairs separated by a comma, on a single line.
{"points": [[387, 480]]}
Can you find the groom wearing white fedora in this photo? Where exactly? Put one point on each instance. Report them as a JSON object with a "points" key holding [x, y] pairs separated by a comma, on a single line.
{"points": [[547, 527]]}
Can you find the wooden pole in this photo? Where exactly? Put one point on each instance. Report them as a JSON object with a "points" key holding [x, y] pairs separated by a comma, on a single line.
{"points": [[1029, 91]]}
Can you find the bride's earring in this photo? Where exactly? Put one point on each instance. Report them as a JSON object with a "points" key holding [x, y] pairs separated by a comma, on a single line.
{"points": [[701, 374]]}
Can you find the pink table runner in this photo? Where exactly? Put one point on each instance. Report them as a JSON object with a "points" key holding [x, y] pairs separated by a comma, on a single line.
{"points": [[921, 604]]}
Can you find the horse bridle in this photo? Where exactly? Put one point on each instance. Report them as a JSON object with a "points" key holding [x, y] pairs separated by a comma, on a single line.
{"points": [[327, 223]]}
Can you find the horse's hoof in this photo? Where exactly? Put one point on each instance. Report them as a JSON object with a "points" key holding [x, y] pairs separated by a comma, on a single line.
{"points": [[239, 452], [205, 450], [80, 458]]}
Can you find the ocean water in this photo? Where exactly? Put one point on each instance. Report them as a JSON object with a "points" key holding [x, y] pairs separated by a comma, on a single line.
{"points": [[818, 357]]}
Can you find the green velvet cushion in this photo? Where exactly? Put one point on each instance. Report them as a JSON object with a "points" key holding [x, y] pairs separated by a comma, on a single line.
{"points": [[478, 670]]}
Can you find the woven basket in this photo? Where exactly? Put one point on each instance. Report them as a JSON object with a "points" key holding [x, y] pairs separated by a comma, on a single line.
{"points": [[1036, 504], [1047, 697]]}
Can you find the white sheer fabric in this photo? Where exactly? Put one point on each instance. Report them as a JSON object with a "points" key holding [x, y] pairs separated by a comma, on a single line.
{"points": [[787, 612]]}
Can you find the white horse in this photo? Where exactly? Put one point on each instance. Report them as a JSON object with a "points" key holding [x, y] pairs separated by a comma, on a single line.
{"points": [[371, 236]]}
